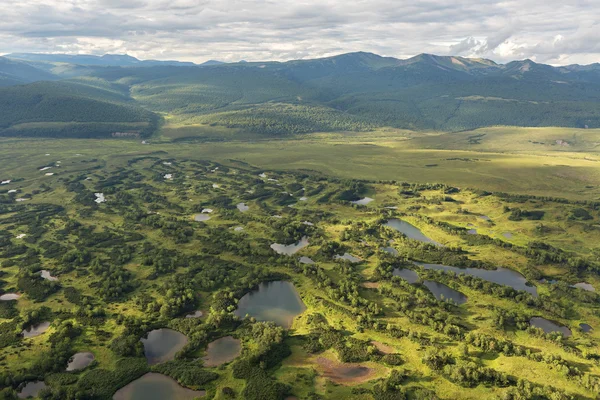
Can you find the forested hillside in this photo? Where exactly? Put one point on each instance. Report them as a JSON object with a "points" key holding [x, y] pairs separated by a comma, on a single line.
{"points": [[350, 92], [70, 110], [15, 72]]}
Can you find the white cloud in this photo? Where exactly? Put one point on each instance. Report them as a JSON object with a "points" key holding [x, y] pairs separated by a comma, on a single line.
{"points": [[549, 31]]}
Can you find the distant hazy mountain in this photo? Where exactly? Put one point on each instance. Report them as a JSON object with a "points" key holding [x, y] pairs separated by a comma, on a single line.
{"points": [[16, 72], [355, 91], [212, 62], [107, 60]]}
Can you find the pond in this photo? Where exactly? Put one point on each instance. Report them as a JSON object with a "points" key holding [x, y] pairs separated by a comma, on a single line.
{"points": [[290, 249], [507, 235], [472, 231], [549, 326], [306, 260], [79, 361], [410, 231], [242, 207], [585, 328], [162, 344], [201, 217], [443, 292], [10, 296], [585, 286], [276, 301], [195, 314], [347, 257], [363, 202], [31, 389], [222, 351], [153, 386], [501, 276], [390, 250], [48, 276], [35, 330], [407, 274], [99, 198]]}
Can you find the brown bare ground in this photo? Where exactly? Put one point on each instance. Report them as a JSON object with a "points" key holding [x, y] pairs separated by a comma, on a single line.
{"points": [[371, 285], [344, 373], [384, 348]]}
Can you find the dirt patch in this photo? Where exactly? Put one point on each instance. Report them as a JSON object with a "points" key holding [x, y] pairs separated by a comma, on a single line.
{"points": [[371, 285], [384, 348], [344, 373]]}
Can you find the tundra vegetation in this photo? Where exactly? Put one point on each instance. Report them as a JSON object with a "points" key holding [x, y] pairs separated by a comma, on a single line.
{"points": [[139, 261]]}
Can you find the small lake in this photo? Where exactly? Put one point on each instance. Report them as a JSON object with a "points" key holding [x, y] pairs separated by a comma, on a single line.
{"points": [[290, 249], [195, 314], [549, 326], [48, 276], [363, 202], [10, 296], [201, 217], [407, 274], [153, 386], [222, 351], [347, 257], [79, 361], [99, 198], [585, 286], [162, 344], [585, 328], [390, 250], [501, 276], [31, 389], [276, 301], [409, 230], [35, 330], [242, 207], [443, 292], [306, 260]]}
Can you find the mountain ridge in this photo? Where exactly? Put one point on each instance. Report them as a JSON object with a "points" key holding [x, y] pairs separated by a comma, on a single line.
{"points": [[125, 59], [353, 91]]}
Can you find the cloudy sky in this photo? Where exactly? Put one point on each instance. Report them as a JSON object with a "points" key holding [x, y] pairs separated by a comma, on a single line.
{"points": [[549, 31]]}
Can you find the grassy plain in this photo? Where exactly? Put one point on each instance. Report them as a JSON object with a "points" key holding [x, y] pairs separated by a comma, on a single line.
{"points": [[504, 160], [383, 155]]}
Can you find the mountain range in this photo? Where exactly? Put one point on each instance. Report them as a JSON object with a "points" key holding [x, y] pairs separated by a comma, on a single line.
{"points": [[91, 96]]}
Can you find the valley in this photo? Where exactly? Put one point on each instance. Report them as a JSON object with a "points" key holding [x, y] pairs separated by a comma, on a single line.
{"points": [[293, 237], [349, 227]]}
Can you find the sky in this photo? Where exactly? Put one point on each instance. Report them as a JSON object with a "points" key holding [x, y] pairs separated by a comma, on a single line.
{"points": [[554, 32]]}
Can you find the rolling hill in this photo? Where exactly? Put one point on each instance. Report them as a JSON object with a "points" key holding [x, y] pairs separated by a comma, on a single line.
{"points": [[13, 72], [66, 109], [349, 92]]}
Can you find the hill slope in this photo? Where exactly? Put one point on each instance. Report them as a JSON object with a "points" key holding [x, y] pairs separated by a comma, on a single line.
{"points": [[63, 109], [14, 72]]}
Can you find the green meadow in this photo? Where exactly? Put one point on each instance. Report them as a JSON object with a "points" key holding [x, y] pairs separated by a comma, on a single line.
{"points": [[139, 260]]}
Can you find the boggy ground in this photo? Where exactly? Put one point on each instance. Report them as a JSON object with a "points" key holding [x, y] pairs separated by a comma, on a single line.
{"points": [[138, 261]]}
